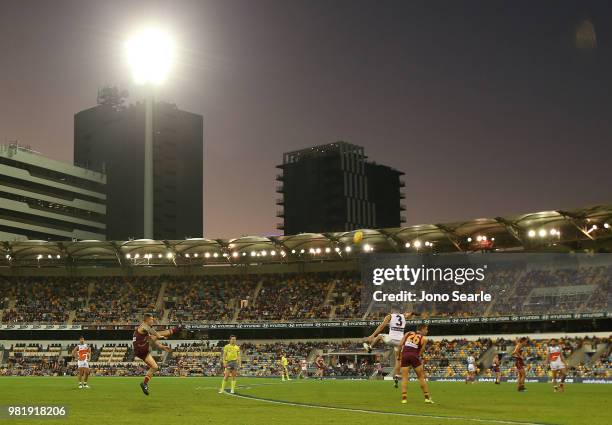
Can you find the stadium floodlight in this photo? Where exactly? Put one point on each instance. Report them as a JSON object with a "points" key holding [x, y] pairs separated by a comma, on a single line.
{"points": [[264, 253], [469, 239], [606, 226], [196, 255], [479, 238], [347, 249], [531, 233], [407, 244], [283, 253], [150, 54], [318, 250], [293, 251], [137, 256], [253, 253], [366, 247], [542, 233], [234, 254], [39, 256], [207, 254], [58, 256], [311, 251], [337, 249], [302, 251], [553, 232], [215, 255], [327, 250], [187, 255], [272, 253], [128, 256], [417, 244]]}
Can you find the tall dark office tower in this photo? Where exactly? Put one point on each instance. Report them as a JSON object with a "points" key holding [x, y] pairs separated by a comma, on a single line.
{"points": [[110, 138], [334, 188]]}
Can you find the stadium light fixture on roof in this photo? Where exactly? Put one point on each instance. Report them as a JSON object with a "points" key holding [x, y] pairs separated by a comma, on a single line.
{"points": [[215, 255], [169, 255], [606, 226], [196, 255], [469, 239], [207, 254], [272, 253], [137, 256], [264, 253], [417, 244], [337, 249], [283, 253], [187, 255], [347, 249], [235, 254], [318, 250], [366, 247], [302, 251], [542, 233], [253, 253], [407, 244], [531, 233], [311, 251], [128, 256], [293, 251], [327, 250]]}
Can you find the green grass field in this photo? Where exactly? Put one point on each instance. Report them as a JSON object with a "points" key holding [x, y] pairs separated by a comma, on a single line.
{"points": [[264, 401]]}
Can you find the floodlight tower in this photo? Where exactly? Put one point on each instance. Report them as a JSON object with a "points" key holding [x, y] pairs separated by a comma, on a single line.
{"points": [[150, 54]]}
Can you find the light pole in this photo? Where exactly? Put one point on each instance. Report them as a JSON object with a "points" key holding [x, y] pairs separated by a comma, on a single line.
{"points": [[150, 54]]}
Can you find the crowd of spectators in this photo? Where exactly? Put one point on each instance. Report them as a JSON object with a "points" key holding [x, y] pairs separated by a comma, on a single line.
{"points": [[282, 297]]}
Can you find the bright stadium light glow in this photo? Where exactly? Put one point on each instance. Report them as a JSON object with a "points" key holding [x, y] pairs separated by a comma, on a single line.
{"points": [[407, 245], [128, 256], [542, 233], [169, 255], [327, 250], [264, 253], [479, 238], [244, 254], [318, 250], [49, 256], [234, 254], [293, 251], [302, 251], [207, 254], [150, 54], [531, 233], [366, 247], [469, 239], [215, 255], [137, 256], [39, 256], [196, 255], [253, 253], [553, 232], [159, 255], [347, 249], [187, 255], [272, 253], [337, 249], [417, 243], [283, 253], [311, 251]]}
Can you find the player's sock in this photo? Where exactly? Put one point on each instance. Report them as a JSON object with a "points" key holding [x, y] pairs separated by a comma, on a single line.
{"points": [[147, 378], [233, 385], [404, 397]]}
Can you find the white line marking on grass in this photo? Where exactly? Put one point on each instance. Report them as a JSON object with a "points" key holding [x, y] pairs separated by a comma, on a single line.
{"points": [[378, 412]]}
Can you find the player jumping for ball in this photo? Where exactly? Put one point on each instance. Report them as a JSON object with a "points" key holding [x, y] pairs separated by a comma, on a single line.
{"points": [[231, 363], [144, 336], [396, 323], [83, 353], [410, 355]]}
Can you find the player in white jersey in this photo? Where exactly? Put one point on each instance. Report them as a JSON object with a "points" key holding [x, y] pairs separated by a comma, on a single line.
{"points": [[396, 323], [471, 367], [556, 363], [303, 369], [82, 352]]}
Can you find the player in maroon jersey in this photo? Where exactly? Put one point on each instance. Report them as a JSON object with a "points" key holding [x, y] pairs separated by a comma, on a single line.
{"points": [[320, 364], [144, 336], [412, 347], [496, 368], [519, 362]]}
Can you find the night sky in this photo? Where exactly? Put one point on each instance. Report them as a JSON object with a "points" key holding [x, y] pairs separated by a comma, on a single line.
{"points": [[490, 108]]}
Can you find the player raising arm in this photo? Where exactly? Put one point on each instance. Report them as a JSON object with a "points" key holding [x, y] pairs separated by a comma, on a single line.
{"points": [[144, 336], [413, 345], [231, 363], [396, 323], [519, 362], [82, 352]]}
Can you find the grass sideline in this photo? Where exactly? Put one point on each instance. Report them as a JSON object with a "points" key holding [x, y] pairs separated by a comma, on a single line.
{"points": [[263, 401]]}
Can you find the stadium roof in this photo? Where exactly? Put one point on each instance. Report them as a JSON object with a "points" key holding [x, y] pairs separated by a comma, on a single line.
{"points": [[586, 228]]}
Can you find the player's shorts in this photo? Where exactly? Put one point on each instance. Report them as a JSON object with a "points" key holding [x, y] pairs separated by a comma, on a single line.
{"points": [[388, 340], [557, 365], [83, 364], [411, 359], [519, 363], [495, 369], [232, 365], [471, 368], [141, 352]]}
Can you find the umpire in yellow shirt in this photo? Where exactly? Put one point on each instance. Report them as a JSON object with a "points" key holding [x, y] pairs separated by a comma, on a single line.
{"points": [[231, 363], [284, 363]]}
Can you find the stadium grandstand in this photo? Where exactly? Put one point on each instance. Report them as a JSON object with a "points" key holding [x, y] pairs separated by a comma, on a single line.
{"points": [[302, 295]]}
